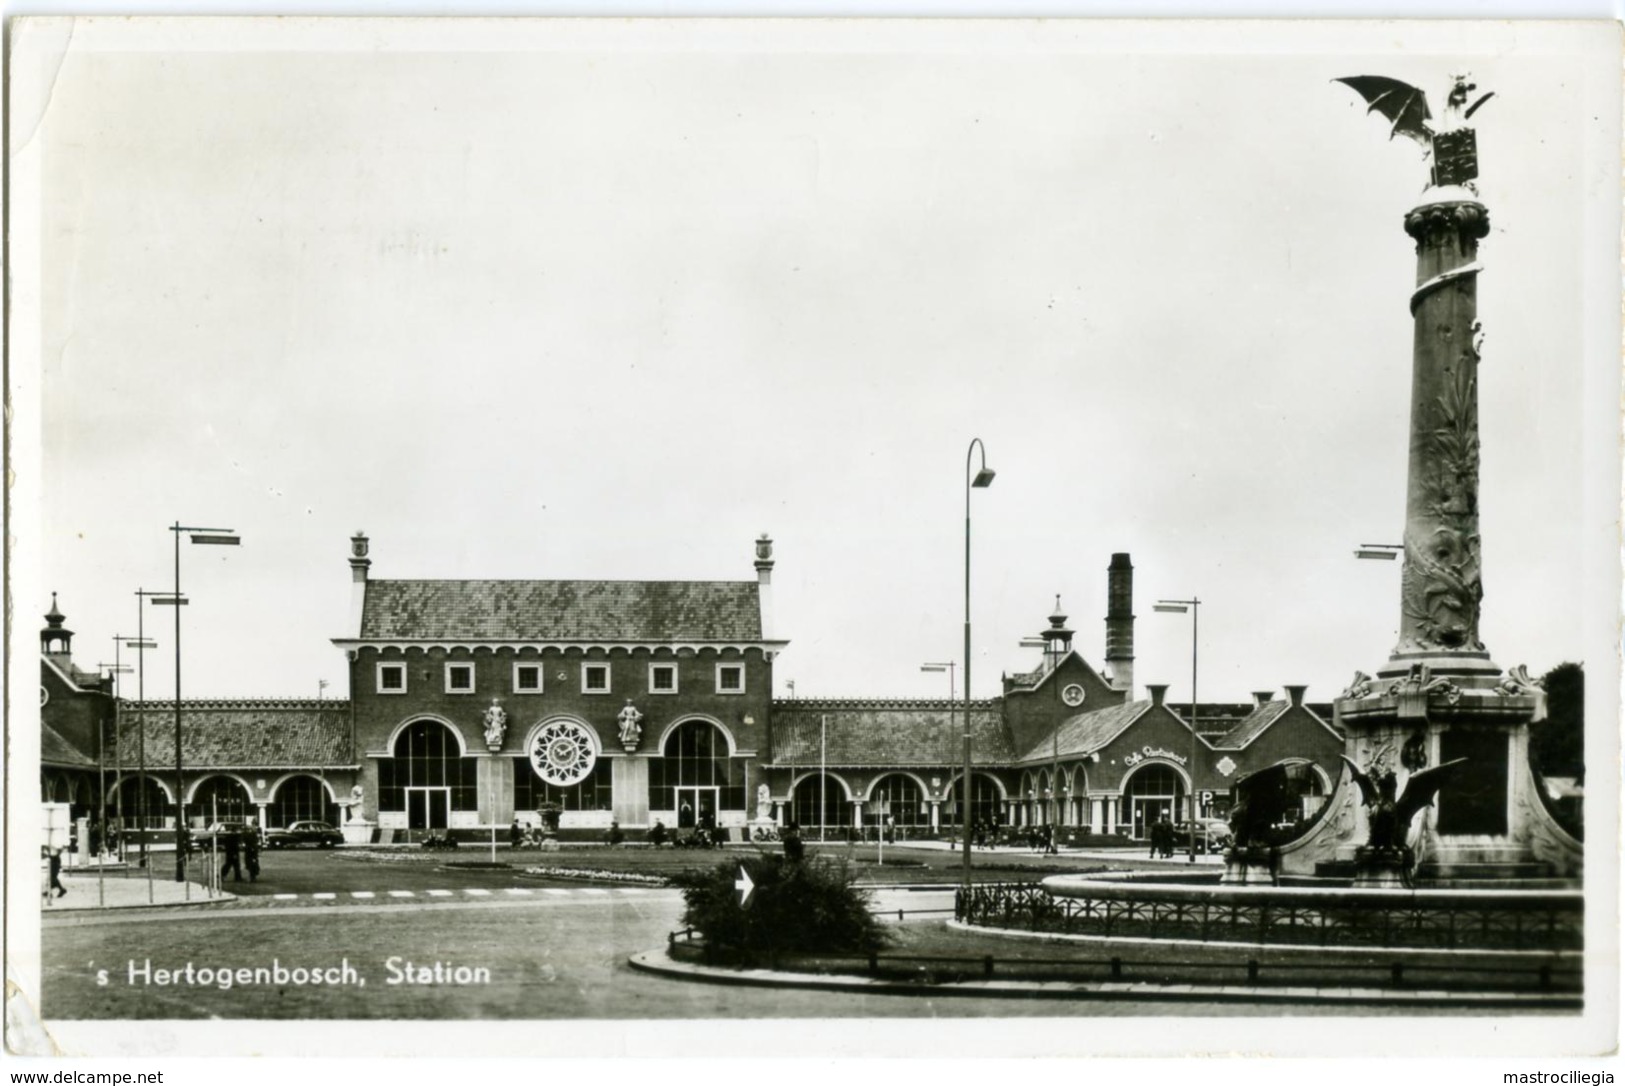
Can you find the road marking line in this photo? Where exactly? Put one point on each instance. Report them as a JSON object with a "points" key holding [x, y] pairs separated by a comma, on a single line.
{"points": [[401, 893], [553, 890], [285, 897], [362, 893], [438, 893], [517, 890], [324, 897], [475, 891]]}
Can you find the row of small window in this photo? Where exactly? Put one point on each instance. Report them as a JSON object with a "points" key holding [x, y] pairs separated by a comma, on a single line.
{"points": [[595, 678]]}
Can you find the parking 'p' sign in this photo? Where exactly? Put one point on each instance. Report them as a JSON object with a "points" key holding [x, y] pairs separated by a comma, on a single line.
{"points": [[744, 886]]}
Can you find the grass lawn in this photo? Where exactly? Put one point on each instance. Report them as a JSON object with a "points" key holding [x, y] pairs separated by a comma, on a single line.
{"points": [[899, 865]]}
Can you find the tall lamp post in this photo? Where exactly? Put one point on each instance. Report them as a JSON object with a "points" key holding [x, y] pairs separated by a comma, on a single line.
{"points": [[141, 738], [981, 480], [113, 671], [217, 537], [949, 668], [1193, 605]]}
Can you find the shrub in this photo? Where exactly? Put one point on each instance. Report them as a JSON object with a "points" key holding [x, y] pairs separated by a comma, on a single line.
{"points": [[807, 908]]}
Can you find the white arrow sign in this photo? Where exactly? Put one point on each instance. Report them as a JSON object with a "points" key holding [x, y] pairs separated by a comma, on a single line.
{"points": [[744, 886]]}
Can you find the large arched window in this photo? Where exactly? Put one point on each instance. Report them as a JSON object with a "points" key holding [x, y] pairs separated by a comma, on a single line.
{"points": [[695, 774], [1151, 792], [220, 799], [157, 808], [427, 777], [899, 795], [985, 801], [820, 803], [300, 799]]}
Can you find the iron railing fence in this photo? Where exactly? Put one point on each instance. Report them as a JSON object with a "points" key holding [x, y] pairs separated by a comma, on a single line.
{"points": [[1463, 920], [1553, 976]]}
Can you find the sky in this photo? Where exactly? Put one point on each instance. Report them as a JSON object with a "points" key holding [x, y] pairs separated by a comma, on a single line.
{"points": [[607, 301]]}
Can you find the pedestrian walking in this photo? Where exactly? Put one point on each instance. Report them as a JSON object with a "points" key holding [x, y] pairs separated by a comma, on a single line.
{"points": [[251, 856], [53, 858], [515, 834], [234, 858]]}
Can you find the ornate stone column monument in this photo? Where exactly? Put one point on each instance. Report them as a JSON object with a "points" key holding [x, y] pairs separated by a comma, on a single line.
{"points": [[1440, 698]]}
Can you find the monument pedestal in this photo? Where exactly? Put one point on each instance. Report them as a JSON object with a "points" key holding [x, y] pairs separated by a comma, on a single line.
{"points": [[358, 831], [1251, 865], [1382, 868]]}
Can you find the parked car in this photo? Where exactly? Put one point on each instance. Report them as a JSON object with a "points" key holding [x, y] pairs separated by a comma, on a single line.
{"points": [[1212, 835], [203, 840], [320, 834]]}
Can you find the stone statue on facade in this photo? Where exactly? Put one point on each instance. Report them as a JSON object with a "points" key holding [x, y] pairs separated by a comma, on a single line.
{"points": [[764, 803], [357, 794], [496, 725], [631, 722]]}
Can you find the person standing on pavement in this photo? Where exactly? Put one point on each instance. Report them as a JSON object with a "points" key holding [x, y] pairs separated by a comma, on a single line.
{"points": [[515, 834], [54, 862], [233, 862], [251, 856]]}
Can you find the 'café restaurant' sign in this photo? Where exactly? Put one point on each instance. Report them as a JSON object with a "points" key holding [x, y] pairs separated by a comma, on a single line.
{"points": [[1152, 752]]}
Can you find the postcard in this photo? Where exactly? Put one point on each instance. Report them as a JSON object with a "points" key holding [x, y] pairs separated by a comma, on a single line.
{"points": [[826, 537]]}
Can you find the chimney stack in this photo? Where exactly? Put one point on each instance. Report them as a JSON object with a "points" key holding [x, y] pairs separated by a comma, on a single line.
{"points": [[359, 564], [764, 581], [1294, 694], [1120, 622], [1261, 698], [1158, 692]]}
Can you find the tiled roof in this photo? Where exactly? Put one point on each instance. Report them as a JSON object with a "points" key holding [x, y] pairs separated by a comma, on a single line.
{"points": [[562, 611], [55, 750], [1252, 727], [884, 732], [241, 734], [1087, 732]]}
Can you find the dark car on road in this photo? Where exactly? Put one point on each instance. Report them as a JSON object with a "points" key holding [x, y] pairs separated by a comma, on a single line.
{"points": [[202, 840], [320, 834]]}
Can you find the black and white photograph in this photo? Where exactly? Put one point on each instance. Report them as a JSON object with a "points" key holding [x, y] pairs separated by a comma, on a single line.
{"points": [[813, 537]]}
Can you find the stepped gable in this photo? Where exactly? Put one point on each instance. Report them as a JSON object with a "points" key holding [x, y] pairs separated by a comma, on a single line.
{"points": [[483, 610], [878, 732], [262, 733], [1086, 732]]}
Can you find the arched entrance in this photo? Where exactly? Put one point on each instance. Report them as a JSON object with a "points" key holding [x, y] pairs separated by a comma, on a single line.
{"points": [[219, 799], [158, 804], [694, 776], [899, 797], [986, 801], [1152, 791], [427, 778], [301, 798], [820, 803]]}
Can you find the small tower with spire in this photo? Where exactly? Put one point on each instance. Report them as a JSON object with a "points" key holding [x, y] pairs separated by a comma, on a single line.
{"points": [[1057, 639], [56, 640]]}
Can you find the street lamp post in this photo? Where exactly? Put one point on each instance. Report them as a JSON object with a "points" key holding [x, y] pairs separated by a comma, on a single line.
{"points": [[949, 667], [216, 537], [113, 670], [142, 643], [1193, 605], [981, 480]]}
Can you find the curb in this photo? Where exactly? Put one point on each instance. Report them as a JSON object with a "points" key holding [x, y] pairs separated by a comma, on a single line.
{"points": [[658, 962]]}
